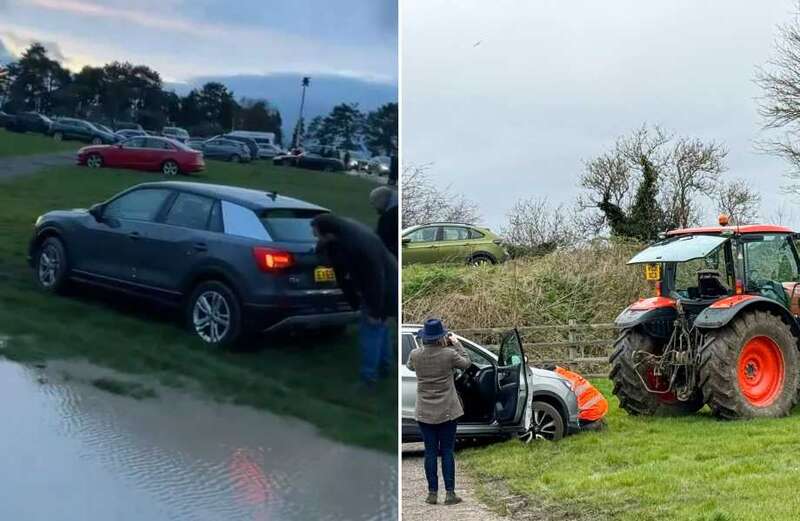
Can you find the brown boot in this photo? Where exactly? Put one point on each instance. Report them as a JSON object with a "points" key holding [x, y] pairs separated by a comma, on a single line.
{"points": [[432, 498]]}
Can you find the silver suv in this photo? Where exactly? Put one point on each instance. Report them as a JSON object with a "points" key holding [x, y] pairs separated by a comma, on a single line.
{"points": [[499, 398]]}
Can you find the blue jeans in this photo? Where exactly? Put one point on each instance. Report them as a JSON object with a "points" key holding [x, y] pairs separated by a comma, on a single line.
{"points": [[440, 439], [375, 348]]}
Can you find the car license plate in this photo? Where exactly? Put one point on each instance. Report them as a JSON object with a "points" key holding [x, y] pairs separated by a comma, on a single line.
{"points": [[323, 274], [652, 271]]}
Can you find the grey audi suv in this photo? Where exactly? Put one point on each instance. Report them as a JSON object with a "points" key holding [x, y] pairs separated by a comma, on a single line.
{"points": [[234, 259]]}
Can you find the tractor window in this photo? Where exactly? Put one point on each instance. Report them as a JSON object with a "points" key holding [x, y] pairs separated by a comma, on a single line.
{"points": [[769, 259], [704, 278]]}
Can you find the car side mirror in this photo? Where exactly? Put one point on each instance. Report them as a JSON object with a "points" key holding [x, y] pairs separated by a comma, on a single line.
{"points": [[406, 240], [96, 211]]}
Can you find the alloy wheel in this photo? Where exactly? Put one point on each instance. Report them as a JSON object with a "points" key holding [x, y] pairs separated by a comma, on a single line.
{"points": [[49, 264], [58, 136], [97, 141], [94, 161], [170, 168], [211, 317], [543, 427]]}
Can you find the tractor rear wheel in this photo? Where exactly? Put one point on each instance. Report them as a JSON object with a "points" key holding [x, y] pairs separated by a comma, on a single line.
{"points": [[749, 368], [631, 391]]}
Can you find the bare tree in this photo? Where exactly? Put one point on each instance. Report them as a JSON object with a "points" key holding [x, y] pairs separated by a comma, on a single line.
{"points": [[535, 227], [739, 201], [780, 103], [424, 202], [685, 169]]}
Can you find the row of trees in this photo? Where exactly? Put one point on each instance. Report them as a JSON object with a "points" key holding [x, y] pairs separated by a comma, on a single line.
{"points": [[346, 126], [121, 91]]}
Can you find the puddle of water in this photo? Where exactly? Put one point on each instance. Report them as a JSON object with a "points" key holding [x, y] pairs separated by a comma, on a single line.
{"points": [[73, 452]]}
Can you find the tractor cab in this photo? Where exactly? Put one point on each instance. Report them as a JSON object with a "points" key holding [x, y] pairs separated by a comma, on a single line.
{"points": [[702, 267], [722, 330]]}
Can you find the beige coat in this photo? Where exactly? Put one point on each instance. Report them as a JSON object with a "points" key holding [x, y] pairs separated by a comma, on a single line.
{"points": [[437, 399]]}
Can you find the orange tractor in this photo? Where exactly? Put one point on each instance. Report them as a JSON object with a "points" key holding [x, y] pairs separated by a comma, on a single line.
{"points": [[722, 329]]}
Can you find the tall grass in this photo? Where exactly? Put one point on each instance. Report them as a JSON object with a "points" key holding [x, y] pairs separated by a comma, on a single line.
{"points": [[589, 284]]}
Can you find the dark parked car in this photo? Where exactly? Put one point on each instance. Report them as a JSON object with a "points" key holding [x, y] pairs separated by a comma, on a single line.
{"points": [[252, 146], [70, 128], [29, 122], [235, 259], [127, 133], [311, 161], [225, 149], [144, 153], [5, 119], [127, 125]]}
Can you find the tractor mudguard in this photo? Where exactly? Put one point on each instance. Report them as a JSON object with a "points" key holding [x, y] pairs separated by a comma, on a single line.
{"points": [[656, 309], [721, 312]]}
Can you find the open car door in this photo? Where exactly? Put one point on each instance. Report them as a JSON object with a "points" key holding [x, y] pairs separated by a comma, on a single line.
{"points": [[512, 381]]}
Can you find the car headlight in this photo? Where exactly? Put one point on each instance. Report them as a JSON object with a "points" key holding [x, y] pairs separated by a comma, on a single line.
{"points": [[38, 221]]}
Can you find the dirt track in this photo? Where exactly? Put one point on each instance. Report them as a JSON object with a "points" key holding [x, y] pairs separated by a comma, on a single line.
{"points": [[415, 489], [16, 166]]}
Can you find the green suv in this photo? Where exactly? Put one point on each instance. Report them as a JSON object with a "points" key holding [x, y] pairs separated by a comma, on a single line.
{"points": [[452, 242]]}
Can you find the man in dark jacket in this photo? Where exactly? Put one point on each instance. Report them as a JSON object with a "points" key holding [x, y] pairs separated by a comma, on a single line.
{"points": [[367, 274], [384, 200]]}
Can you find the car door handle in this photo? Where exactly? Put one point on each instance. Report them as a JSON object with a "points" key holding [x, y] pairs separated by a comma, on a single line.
{"points": [[200, 246], [135, 236]]}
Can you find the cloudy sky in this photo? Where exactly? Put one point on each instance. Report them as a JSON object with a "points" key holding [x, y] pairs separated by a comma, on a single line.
{"points": [[187, 38], [553, 83]]}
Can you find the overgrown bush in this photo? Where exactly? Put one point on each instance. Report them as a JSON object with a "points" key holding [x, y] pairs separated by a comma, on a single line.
{"points": [[589, 284]]}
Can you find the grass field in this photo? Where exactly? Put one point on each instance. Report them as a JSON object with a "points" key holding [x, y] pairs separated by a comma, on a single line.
{"points": [[313, 378], [641, 469], [16, 144]]}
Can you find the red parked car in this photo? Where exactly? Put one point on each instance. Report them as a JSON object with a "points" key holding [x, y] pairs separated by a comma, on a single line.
{"points": [[149, 153]]}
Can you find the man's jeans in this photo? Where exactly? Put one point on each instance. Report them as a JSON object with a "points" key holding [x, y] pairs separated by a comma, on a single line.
{"points": [[440, 439], [376, 351]]}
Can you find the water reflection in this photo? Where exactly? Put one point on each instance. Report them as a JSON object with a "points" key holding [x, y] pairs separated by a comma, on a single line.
{"points": [[74, 452]]}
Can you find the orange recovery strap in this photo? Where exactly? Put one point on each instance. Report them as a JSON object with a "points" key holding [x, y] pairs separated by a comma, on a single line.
{"points": [[591, 402]]}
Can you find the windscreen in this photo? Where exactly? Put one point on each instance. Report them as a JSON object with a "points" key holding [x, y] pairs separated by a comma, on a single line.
{"points": [[289, 224], [681, 249]]}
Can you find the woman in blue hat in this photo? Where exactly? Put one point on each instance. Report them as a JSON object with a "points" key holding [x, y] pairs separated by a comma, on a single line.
{"points": [[438, 406]]}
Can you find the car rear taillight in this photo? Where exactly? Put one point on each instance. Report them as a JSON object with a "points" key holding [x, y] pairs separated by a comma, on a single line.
{"points": [[269, 259]]}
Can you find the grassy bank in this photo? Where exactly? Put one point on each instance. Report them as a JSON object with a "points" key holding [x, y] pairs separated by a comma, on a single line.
{"points": [[311, 377], [643, 469], [590, 284], [16, 144]]}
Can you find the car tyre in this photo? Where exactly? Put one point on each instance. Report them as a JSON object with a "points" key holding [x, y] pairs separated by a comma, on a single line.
{"points": [[547, 424], [94, 161], [170, 168], [58, 136], [52, 265], [214, 314], [480, 259]]}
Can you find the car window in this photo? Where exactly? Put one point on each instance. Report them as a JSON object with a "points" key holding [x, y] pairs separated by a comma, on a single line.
{"points": [[190, 211], [241, 221], [475, 234], [139, 205], [156, 144], [475, 356], [770, 258], [409, 344], [135, 142], [454, 233], [427, 234], [288, 224]]}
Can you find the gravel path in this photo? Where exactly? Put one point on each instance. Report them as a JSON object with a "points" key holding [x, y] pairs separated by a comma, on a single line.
{"points": [[16, 166], [415, 489]]}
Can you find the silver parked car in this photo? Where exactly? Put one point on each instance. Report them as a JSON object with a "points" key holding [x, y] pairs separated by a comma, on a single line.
{"points": [[500, 399]]}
